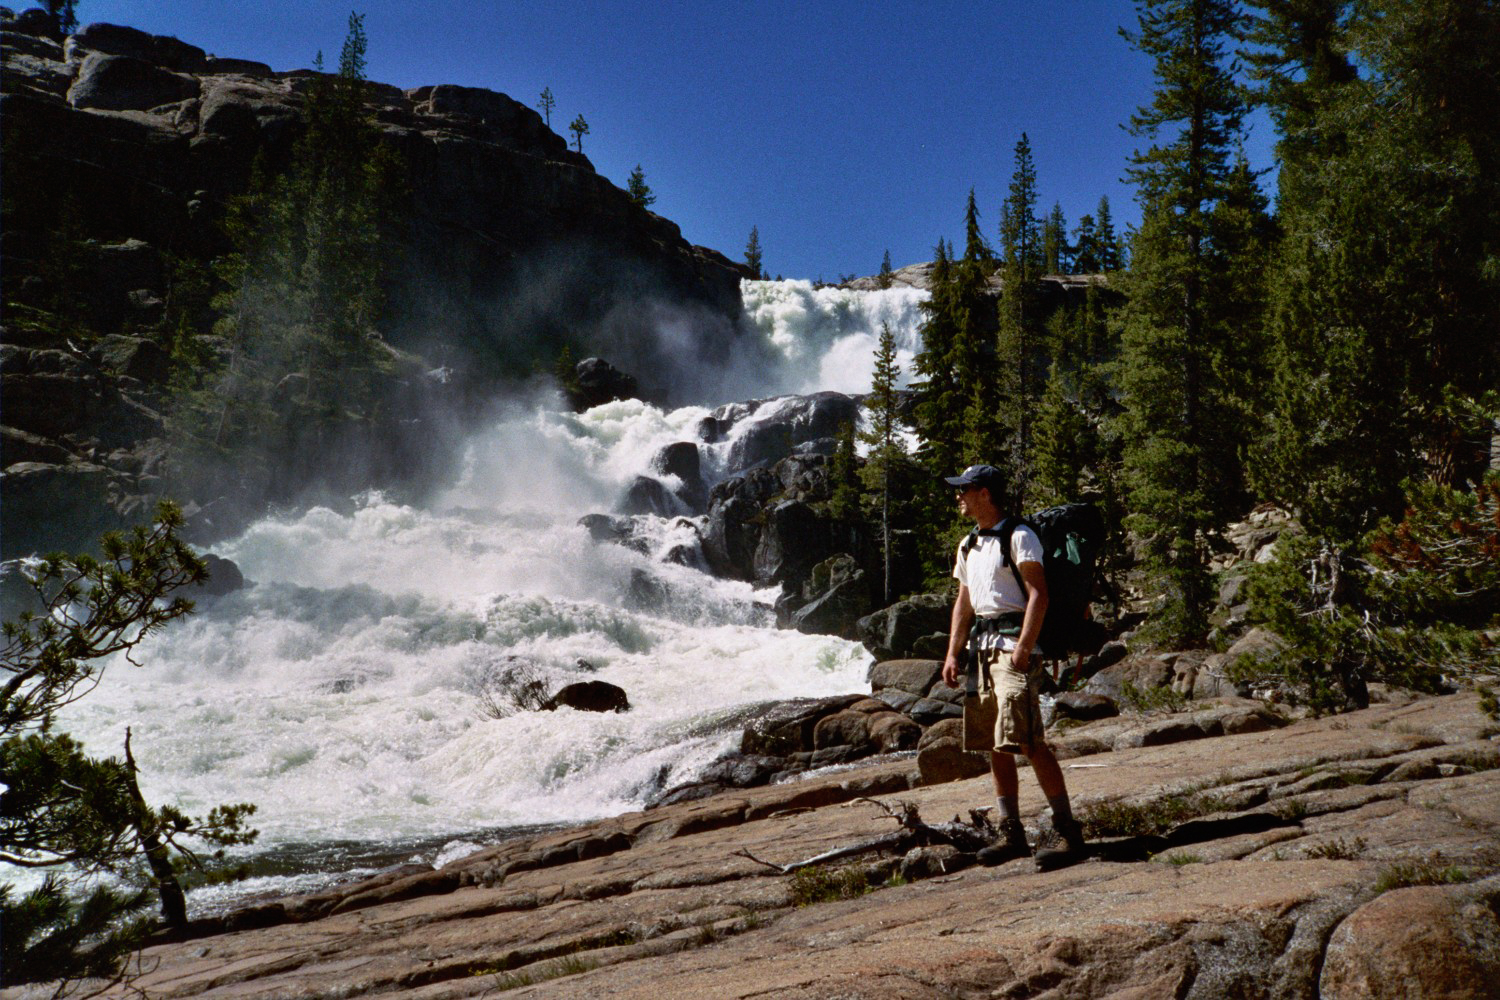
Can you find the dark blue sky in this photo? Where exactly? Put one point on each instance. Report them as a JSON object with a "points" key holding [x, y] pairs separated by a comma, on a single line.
{"points": [[839, 129]]}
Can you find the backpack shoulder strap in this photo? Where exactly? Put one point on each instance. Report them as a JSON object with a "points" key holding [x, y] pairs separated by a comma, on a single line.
{"points": [[1004, 531]]}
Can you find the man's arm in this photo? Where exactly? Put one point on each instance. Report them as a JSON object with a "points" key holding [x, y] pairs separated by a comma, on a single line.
{"points": [[1035, 579], [958, 635]]}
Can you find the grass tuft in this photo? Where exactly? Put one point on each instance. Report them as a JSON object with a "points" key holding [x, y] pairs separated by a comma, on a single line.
{"points": [[819, 884], [1126, 819], [1403, 874], [1337, 850]]}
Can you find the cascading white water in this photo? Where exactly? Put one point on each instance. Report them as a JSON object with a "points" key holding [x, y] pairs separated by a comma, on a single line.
{"points": [[343, 691], [827, 336]]}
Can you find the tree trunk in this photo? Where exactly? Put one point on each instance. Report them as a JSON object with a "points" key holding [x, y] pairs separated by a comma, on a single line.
{"points": [[173, 901]]}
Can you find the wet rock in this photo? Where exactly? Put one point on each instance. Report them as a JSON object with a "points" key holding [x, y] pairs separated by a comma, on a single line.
{"points": [[743, 770], [611, 529], [135, 357], [224, 577], [646, 592], [681, 459], [894, 632], [787, 727], [590, 696], [599, 382], [897, 699], [646, 495], [775, 427]]}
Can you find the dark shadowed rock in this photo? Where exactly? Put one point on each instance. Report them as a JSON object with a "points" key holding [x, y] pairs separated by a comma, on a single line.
{"points": [[120, 40], [600, 382], [224, 577], [840, 596], [927, 711], [792, 541], [892, 731], [650, 496], [1084, 706], [135, 357], [897, 699], [590, 696], [742, 770], [681, 459], [769, 430], [893, 632], [614, 530]]}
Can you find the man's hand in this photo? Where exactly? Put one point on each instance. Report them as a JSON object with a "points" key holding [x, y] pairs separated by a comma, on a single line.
{"points": [[1020, 659], [951, 670]]}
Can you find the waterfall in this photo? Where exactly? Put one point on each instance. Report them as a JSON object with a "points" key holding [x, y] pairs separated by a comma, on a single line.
{"points": [[354, 689]]}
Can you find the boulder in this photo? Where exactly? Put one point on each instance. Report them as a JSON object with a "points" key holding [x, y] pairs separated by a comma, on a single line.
{"points": [[1084, 706], [1142, 672], [894, 632], [224, 577], [681, 459], [590, 696], [768, 430], [122, 83], [1430, 941], [645, 495], [926, 711], [787, 727], [605, 528], [892, 731], [846, 728], [119, 40], [945, 760], [135, 357], [841, 596], [793, 541], [1259, 645], [897, 700], [915, 676]]}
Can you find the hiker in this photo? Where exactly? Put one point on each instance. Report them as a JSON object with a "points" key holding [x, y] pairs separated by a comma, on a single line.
{"points": [[1001, 713]]}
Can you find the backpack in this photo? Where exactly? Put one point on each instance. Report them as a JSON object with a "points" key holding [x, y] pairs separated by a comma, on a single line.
{"points": [[1071, 535]]}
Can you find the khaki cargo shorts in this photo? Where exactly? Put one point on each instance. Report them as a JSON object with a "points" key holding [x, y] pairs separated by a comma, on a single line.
{"points": [[1004, 715]]}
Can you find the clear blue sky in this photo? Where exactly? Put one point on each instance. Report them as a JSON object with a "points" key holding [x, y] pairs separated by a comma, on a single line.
{"points": [[838, 129]]}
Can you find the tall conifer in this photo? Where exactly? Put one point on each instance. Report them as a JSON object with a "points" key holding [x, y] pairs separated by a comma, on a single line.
{"points": [[1182, 464], [1019, 363]]}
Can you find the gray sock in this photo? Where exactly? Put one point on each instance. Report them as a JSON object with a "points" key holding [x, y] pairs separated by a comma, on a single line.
{"points": [[1062, 811], [1009, 807]]}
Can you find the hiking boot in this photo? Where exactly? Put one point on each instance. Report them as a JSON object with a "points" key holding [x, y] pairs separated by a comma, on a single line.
{"points": [[1064, 846], [1011, 844]]}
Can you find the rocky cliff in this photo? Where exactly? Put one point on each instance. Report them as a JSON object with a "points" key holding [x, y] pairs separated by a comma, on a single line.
{"points": [[121, 152], [514, 238]]}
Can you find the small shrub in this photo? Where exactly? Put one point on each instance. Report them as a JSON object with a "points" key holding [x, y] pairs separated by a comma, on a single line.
{"points": [[1290, 809], [1155, 699], [819, 884], [1180, 858], [1427, 872], [568, 965], [505, 690], [1125, 819], [1337, 850]]}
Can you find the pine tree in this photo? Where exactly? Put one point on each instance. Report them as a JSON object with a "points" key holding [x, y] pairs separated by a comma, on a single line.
{"points": [[753, 255], [887, 458], [1055, 251], [1019, 361], [580, 128], [65, 810], [976, 250], [1110, 247], [303, 280], [1086, 247], [884, 279], [1386, 297], [844, 476], [637, 188], [546, 103], [1182, 463]]}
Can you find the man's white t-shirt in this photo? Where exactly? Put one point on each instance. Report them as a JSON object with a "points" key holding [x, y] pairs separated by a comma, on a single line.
{"points": [[992, 585]]}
